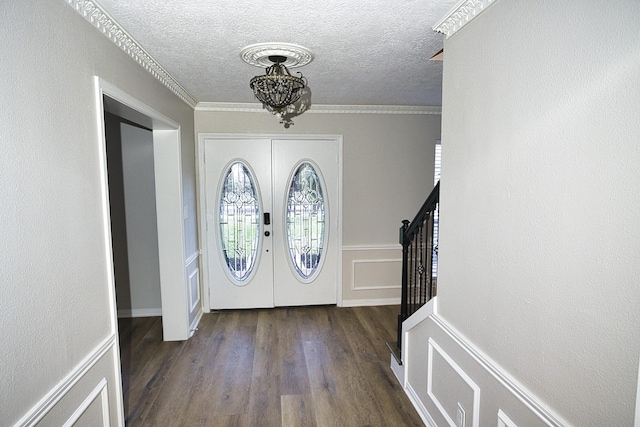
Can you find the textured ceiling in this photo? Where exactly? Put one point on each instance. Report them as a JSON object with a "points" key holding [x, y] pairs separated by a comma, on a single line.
{"points": [[373, 52]]}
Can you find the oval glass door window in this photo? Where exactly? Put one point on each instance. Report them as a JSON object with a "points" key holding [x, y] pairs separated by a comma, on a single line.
{"points": [[305, 221], [239, 222]]}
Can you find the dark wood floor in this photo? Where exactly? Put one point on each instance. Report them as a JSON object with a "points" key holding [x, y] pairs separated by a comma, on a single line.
{"points": [[306, 366]]}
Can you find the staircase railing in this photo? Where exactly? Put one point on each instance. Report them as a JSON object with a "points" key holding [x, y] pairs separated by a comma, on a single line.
{"points": [[419, 260]]}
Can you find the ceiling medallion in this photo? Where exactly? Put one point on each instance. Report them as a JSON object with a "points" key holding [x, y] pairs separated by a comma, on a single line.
{"points": [[277, 89]]}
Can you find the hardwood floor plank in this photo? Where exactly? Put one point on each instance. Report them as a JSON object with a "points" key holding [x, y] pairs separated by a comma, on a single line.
{"points": [[236, 384], [297, 410], [303, 366]]}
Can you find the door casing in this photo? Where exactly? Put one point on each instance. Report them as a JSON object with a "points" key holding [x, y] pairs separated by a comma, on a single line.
{"points": [[202, 221]]}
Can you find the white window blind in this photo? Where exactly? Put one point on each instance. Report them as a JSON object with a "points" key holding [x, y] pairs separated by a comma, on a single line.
{"points": [[436, 178]]}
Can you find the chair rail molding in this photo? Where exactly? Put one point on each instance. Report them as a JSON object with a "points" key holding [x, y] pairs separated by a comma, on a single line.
{"points": [[42, 408]]}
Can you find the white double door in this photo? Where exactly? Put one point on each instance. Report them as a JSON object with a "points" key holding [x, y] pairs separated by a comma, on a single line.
{"points": [[272, 221]]}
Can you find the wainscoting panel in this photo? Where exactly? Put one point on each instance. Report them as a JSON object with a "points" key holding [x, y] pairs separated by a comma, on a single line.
{"points": [[371, 275], [194, 289], [443, 370], [89, 395], [192, 268], [449, 386]]}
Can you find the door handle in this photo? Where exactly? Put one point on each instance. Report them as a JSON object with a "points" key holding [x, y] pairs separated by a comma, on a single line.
{"points": [[267, 218]]}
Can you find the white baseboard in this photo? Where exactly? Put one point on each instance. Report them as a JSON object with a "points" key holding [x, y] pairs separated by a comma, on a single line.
{"points": [[417, 404], [194, 325], [398, 370], [139, 312], [370, 302]]}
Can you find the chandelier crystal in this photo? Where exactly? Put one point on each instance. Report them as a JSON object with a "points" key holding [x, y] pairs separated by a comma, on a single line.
{"points": [[277, 88]]}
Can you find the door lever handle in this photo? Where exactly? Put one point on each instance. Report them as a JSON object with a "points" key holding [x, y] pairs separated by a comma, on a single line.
{"points": [[267, 218]]}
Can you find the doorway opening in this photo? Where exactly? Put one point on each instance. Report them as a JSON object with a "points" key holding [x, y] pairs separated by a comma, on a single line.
{"points": [[162, 151]]}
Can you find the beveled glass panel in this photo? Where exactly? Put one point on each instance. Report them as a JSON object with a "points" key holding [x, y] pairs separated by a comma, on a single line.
{"points": [[305, 220], [239, 221]]}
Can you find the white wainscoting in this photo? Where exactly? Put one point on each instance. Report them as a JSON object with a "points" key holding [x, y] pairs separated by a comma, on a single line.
{"points": [[101, 406], [439, 396], [371, 275], [85, 396], [194, 300], [442, 369]]}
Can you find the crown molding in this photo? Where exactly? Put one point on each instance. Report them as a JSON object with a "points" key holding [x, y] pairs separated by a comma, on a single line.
{"points": [[108, 26], [461, 14], [252, 107]]}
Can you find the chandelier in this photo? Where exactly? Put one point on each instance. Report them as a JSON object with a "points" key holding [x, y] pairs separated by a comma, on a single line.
{"points": [[280, 93], [277, 88]]}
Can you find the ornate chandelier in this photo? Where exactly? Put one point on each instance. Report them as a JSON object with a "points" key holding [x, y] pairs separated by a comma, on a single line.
{"points": [[280, 93], [277, 88]]}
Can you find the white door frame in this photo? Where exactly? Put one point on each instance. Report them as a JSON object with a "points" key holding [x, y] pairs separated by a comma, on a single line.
{"points": [[202, 217], [168, 184]]}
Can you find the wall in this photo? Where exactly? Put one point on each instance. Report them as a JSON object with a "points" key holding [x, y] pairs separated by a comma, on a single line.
{"points": [[387, 175], [539, 244], [56, 303], [134, 231]]}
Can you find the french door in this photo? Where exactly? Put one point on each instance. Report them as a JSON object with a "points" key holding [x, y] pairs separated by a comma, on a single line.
{"points": [[272, 221]]}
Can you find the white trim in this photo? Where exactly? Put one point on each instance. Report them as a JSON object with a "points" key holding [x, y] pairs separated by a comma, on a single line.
{"points": [[371, 261], [462, 13], [370, 302], [101, 20], [169, 199], [637, 422], [194, 256], [193, 302], [193, 327], [99, 390], [504, 420], [381, 247], [420, 408], [421, 314], [397, 368], [414, 320], [433, 346], [253, 107], [40, 410], [106, 231], [139, 312], [202, 217], [513, 386]]}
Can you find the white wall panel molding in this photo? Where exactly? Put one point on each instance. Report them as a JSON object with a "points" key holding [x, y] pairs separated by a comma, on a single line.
{"points": [[419, 406], [190, 260], [357, 266], [42, 408], [194, 289], [504, 420], [512, 385], [100, 391], [373, 247], [108, 26], [461, 14], [252, 107], [435, 348]]}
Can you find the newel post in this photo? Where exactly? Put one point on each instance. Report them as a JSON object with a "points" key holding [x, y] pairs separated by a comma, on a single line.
{"points": [[404, 309]]}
